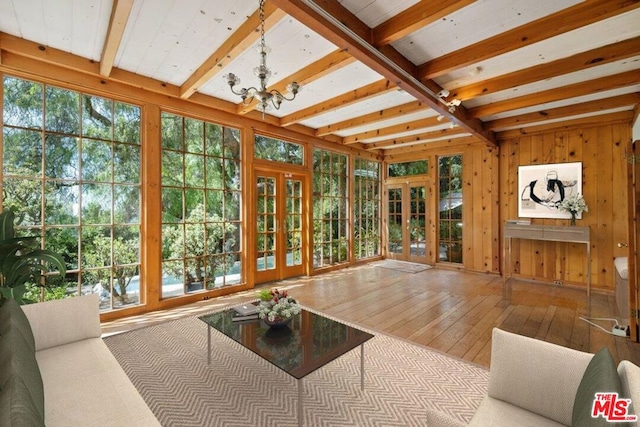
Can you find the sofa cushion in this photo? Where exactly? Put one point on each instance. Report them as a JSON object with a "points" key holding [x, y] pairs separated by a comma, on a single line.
{"points": [[497, 413], [94, 392], [11, 315], [523, 368], [630, 381], [17, 407], [64, 321], [20, 375], [600, 376]]}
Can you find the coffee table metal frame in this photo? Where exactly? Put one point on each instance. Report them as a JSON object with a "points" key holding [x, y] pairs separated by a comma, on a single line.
{"points": [[227, 317]]}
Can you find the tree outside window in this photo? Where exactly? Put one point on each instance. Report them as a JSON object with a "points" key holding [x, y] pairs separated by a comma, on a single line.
{"points": [[450, 208]]}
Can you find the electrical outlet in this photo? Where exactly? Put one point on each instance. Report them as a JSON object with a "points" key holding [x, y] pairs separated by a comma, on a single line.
{"points": [[557, 282], [619, 330]]}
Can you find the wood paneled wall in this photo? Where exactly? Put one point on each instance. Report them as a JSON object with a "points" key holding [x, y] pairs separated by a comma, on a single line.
{"points": [[480, 233], [603, 150]]}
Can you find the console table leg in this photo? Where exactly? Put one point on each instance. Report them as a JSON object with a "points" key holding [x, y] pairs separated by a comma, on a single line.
{"points": [[300, 393]]}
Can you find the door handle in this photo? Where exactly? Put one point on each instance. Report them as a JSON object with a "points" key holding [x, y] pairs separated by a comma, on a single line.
{"points": [[623, 245]]}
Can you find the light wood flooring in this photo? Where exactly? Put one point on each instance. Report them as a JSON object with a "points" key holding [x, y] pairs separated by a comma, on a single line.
{"points": [[448, 310]]}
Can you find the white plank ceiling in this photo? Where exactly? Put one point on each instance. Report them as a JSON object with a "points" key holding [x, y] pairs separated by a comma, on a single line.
{"points": [[173, 42]]}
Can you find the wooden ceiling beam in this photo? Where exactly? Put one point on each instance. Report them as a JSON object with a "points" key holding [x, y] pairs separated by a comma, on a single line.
{"points": [[414, 18], [350, 97], [581, 61], [434, 145], [571, 18], [320, 68], [377, 116], [421, 137], [621, 116], [390, 130], [386, 61], [568, 111], [233, 46], [117, 23], [602, 84]]}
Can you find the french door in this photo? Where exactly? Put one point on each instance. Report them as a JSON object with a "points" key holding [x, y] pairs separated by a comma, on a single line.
{"points": [[407, 219], [279, 219]]}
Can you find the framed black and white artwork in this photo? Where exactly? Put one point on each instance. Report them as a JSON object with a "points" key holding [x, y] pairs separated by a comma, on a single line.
{"points": [[541, 189]]}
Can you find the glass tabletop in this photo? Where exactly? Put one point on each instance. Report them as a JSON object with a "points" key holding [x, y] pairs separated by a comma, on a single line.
{"points": [[309, 342]]}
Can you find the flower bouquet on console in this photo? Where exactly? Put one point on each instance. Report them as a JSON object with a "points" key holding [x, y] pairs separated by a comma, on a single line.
{"points": [[276, 308], [575, 205]]}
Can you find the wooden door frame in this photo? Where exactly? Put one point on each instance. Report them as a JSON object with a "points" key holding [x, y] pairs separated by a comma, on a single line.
{"points": [[406, 184], [281, 271]]}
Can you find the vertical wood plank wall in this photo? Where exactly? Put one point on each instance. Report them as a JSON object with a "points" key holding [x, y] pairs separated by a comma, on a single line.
{"points": [[602, 149], [480, 192]]}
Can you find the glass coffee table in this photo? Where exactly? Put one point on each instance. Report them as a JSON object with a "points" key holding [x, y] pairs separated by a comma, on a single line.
{"points": [[309, 342]]}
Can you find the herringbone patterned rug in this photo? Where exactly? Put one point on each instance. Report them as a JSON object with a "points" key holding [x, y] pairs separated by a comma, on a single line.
{"points": [[168, 365]]}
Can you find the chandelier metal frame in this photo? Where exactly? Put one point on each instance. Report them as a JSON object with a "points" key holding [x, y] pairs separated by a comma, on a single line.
{"points": [[265, 97]]}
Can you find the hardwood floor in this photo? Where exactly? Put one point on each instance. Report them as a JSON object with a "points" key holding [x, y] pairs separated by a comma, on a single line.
{"points": [[451, 311]]}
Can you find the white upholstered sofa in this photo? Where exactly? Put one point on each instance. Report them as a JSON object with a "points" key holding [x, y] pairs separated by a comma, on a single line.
{"points": [[535, 383], [83, 383]]}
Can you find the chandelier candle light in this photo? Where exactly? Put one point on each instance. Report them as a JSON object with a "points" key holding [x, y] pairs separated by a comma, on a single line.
{"points": [[265, 97]]}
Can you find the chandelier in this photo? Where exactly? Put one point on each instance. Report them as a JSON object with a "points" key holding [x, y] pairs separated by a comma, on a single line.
{"points": [[266, 98]]}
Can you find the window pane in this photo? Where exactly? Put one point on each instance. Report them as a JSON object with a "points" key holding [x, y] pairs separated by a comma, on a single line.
{"points": [[22, 152], [62, 203], [96, 117], [126, 163], [62, 111], [96, 160], [172, 168], [22, 104], [171, 131], [194, 136], [277, 150], [62, 157], [126, 204], [126, 123], [418, 167], [96, 204]]}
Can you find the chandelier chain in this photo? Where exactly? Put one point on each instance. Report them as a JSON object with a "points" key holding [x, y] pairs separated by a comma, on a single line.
{"points": [[262, 42], [264, 97]]}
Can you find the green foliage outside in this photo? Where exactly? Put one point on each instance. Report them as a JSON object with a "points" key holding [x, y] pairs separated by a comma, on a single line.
{"points": [[201, 199], [78, 156], [450, 217], [201, 245], [330, 216]]}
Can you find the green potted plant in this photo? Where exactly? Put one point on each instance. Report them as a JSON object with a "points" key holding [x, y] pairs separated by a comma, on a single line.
{"points": [[22, 261]]}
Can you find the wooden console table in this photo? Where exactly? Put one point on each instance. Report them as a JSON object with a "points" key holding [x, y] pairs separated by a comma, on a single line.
{"points": [[555, 233]]}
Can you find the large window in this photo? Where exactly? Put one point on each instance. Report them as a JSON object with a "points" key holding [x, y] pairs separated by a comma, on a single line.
{"points": [[201, 205], [366, 208], [330, 238], [450, 208], [71, 172], [412, 168], [277, 150]]}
